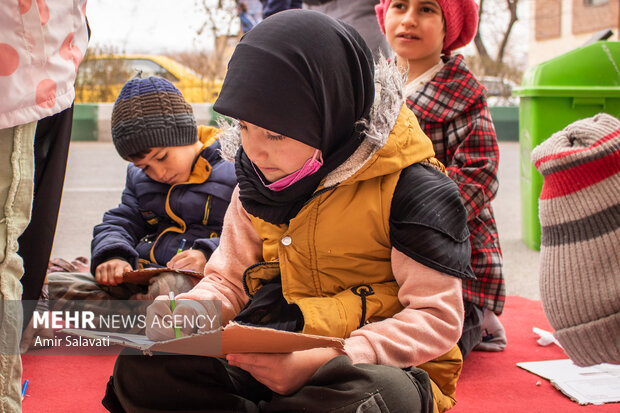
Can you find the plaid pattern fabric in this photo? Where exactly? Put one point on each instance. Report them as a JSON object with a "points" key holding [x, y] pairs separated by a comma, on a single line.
{"points": [[453, 112]]}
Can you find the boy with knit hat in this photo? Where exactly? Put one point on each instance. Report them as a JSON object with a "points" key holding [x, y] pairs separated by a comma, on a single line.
{"points": [[451, 107], [172, 208], [580, 253]]}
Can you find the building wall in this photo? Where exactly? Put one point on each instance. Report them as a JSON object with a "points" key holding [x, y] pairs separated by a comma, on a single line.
{"points": [[590, 19], [547, 19], [558, 26]]}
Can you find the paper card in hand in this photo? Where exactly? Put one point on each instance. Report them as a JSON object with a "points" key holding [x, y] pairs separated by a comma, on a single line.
{"points": [[234, 338]]}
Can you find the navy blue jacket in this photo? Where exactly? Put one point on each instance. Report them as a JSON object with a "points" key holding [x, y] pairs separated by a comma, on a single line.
{"points": [[152, 219], [273, 6]]}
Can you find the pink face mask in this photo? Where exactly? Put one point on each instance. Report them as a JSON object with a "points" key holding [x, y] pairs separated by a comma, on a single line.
{"points": [[311, 166]]}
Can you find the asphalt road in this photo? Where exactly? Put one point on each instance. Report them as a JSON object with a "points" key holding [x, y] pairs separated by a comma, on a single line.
{"points": [[96, 175]]}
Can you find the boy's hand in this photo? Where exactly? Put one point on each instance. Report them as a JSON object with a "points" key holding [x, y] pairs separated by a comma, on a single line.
{"points": [[283, 373], [111, 272], [193, 260]]}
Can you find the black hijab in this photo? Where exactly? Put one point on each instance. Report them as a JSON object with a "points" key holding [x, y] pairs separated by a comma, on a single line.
{"points": [[304, 75]]}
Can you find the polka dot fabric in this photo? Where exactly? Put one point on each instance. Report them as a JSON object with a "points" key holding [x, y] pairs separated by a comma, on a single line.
{"points": [[42, 43]]}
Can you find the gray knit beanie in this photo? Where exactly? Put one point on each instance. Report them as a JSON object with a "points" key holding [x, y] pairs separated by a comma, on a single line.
{"points": [[150, 113], [579, 212]]}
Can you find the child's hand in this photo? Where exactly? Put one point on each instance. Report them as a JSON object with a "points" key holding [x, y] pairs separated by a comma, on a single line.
{"points": [[283, 373], [111, 272], [193, 260], [198, 316]]}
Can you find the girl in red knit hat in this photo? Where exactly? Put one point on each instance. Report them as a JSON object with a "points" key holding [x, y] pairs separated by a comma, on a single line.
{"points": [[451, 106]]}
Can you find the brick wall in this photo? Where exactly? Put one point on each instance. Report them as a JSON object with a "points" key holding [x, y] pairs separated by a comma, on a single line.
{"points": [[594, 17], [548, 15]]}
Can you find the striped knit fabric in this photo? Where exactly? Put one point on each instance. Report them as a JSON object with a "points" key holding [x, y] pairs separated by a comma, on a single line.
{"points": [[151, 113], [580, 254]]}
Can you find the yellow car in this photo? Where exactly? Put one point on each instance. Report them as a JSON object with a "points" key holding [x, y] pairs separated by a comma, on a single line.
{"points": [[100, 78]]}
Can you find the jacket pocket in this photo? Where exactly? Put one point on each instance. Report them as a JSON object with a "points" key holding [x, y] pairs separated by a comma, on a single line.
{"points": [[259, 274]]}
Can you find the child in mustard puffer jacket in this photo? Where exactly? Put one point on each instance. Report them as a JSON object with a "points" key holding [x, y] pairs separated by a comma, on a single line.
{"points": [[343, 224]]}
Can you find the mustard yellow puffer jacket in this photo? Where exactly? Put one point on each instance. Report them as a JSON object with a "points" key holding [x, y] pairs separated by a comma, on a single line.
{"points": [[333, 255]]}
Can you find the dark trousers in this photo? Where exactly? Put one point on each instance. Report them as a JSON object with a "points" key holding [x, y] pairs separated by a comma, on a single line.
{"points": [[472, 328], [204, 384], [51, 147]]}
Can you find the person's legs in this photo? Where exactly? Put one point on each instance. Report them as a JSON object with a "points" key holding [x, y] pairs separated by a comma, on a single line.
{"points": [[80, 292], [65, 287], [72, 286], [73, 291], [166, 282], [188, 383], [16, 189], [472, 330], [493, 333], [361, 15], [51, 147], [341, 387], [180, 383]]}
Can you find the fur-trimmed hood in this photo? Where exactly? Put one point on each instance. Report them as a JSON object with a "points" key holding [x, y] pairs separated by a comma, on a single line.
{"points": [[388, 106]]}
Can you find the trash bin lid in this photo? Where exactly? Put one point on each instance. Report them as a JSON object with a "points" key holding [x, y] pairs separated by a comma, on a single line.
{"points": [[592, 71]]}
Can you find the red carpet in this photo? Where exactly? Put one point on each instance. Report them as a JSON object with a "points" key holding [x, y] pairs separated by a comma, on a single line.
{"points": [[491, 382]]}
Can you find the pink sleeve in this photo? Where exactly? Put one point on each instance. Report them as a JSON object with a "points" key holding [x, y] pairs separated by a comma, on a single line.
{"points": [[429, 325], [240, 247]]}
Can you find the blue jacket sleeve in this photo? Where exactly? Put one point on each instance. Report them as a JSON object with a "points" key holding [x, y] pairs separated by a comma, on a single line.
{"points": [[120, 231]]}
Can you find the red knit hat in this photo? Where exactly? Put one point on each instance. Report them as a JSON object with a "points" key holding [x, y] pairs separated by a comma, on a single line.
{"points": [[461, 17]]}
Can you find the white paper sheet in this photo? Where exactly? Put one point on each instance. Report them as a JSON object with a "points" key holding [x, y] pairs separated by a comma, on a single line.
{"points": [[586, 385]]}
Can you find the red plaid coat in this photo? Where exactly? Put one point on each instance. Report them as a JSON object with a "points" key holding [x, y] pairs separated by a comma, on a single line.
{"points": [[453, 112]]}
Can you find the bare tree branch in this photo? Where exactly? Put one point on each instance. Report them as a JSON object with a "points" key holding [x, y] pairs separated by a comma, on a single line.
{"points": [[512, 8], [480, 47], [491, 14], [220, 18]]}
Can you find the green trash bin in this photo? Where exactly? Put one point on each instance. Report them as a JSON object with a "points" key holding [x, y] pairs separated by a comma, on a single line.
{"points": [[554, 94], [506, 122], [84, 126]]}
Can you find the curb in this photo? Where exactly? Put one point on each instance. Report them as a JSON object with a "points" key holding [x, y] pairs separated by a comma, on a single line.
{"points": [[92, 121]]}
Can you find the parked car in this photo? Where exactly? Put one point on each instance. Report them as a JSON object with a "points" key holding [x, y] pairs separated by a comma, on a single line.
{"points": [[499, 91], [100, 78]]}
